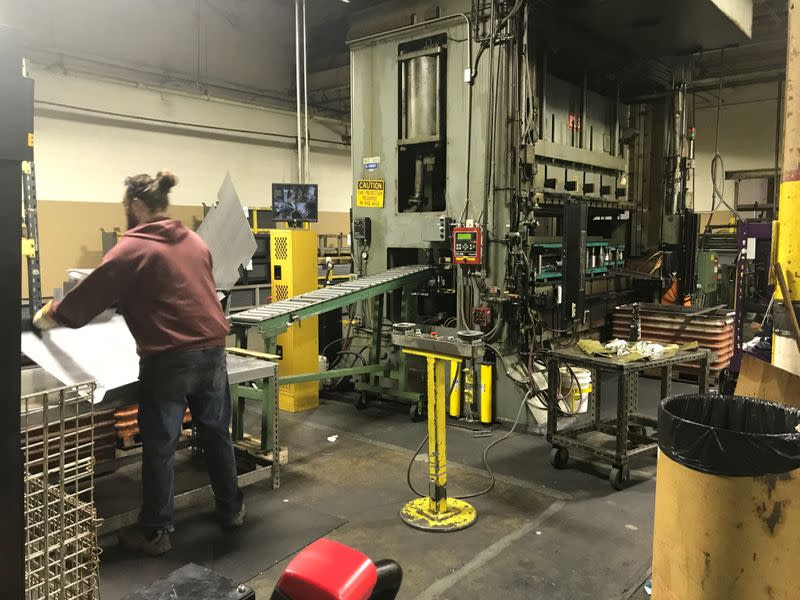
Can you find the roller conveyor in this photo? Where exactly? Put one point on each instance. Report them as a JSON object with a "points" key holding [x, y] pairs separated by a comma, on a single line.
{"points": [[280, 314]]}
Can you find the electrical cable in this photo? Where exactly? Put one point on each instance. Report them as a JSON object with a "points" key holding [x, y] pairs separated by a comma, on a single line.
{"points": [[717, 165], [485, 457]]}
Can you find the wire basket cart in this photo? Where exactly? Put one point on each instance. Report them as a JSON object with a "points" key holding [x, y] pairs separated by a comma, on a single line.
{"points": [[62, 556]]}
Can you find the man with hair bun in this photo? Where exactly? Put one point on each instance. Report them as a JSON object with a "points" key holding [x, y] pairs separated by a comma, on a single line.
{"points": [[159, 277]]}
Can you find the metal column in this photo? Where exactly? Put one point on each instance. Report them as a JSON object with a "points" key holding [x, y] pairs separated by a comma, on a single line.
{"points": [[784, 351], [16, 145]]}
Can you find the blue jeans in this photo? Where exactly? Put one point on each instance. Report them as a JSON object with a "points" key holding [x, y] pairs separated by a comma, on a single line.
{"points": [[168, 381]]}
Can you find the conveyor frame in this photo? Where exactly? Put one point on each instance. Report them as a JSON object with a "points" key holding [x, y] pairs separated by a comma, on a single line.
{"points": [[274, 319]]}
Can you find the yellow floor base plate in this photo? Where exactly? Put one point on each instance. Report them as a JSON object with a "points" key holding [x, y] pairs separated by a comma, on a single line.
{"points": [[459, 515]]}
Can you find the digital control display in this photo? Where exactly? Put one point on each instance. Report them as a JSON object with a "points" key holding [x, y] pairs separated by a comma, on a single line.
{"points": [[467, 245]]}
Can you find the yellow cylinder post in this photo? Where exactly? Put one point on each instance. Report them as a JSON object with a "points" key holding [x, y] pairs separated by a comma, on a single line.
{"points": [[455, 384], [785, 354], [725, 538], [437, 512], [437, 445], [468, 383], [486, 393]]}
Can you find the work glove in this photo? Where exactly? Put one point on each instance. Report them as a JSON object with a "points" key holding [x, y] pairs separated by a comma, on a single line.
{"points": [[42, 321]]}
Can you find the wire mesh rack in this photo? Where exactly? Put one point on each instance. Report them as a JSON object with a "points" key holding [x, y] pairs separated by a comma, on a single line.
{"points": [[62, 556]]}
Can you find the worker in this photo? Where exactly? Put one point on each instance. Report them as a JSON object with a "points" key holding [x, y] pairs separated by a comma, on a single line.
{"points": [[159, 277]]}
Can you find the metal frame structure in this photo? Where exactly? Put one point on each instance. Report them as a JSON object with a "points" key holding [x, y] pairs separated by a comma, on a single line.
{"points": [[273, 319], [249, 379], [62, 556], [30, 206], [253, 379], [16, 145], [746, 231], [628, 444]]}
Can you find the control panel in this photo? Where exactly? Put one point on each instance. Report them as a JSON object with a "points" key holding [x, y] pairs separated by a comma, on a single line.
{"points": [[467, 245], [482, 317], [362, 229]]}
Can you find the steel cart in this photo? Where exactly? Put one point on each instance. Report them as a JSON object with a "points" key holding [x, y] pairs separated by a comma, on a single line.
{"points": [[629, 428]]}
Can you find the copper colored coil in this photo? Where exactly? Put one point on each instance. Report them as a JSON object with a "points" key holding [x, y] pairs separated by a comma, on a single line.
{"points": [[126, 424], [127, 411]]}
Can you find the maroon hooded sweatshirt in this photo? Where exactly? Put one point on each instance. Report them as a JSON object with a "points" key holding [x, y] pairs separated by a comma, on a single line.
{"points": [[159, 275]]}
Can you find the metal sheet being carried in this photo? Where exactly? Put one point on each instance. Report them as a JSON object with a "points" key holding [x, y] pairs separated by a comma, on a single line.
{"points": [[228, 235], [104, 351]]}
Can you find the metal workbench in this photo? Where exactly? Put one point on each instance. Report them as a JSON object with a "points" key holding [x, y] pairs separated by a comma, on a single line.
{"points": [[249, 379], [629, 428]]}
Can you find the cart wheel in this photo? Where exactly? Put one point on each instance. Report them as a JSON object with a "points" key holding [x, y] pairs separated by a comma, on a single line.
{"points": [[619, 477], [416, 412], [559, 457], [361, 400], [638, 430]]}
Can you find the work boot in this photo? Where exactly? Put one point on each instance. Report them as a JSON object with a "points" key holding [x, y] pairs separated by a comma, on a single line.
{"points": [[135, 539], [233, 521]]}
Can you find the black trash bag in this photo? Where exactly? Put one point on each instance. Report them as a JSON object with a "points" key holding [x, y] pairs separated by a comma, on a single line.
{"points": [[729, 435]]}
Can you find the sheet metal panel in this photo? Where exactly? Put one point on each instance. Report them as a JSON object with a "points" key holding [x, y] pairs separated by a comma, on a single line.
{"points": [[227, 233]]}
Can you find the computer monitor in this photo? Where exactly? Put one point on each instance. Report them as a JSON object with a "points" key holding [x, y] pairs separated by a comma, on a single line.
{"points": [[294, 203]]}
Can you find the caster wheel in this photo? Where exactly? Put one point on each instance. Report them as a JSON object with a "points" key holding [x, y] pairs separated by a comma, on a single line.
{"points": [[638, 430], [619, 477], [361, 401], [559, 457], [416, 412]]}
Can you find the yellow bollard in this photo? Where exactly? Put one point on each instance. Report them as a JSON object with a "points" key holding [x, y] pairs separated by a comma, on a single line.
{"points": [[455, 384], [486, 393]]}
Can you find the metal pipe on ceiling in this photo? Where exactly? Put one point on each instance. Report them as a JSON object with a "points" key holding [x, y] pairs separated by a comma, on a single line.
{"points": [[297, 90], [305, 94]]}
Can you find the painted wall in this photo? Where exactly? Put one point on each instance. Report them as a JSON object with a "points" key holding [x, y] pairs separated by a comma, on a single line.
{"points": [[91, 134], [746, 136], [227, 45]]}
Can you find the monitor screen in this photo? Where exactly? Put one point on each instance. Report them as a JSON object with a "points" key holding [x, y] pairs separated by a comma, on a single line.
{"points": [[294, 203]]}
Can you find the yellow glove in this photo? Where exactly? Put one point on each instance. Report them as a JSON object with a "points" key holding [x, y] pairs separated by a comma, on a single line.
{"points": [[42, 319]]}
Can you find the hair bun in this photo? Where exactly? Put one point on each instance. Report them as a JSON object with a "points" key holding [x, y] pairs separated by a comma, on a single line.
{"points": [[165, 181]]}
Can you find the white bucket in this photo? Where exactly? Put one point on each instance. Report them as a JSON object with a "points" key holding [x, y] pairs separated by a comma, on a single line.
{"points": [[575, 395], [323, 366]]}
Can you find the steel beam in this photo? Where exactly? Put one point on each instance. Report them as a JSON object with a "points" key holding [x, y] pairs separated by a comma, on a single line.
{"points": [[16, 145]]}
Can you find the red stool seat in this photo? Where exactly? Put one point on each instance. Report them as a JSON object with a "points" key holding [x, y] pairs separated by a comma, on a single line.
{"points": [[328, 570]]}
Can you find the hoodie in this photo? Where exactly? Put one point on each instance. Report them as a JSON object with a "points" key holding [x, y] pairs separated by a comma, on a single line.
{"points": [[159, 275]]}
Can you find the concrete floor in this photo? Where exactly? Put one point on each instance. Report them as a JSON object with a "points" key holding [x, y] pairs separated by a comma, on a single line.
{"points": [[540, 533]]}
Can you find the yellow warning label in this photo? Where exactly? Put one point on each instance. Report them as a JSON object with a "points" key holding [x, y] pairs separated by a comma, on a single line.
{"points": [[30, 140], [370, 193]]}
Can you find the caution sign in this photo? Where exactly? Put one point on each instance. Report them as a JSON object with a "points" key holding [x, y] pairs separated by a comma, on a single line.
{"points": [[370, 193]]}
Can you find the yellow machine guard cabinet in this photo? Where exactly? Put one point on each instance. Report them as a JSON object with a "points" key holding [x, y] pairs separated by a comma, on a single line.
{"points": [[294, 272]]}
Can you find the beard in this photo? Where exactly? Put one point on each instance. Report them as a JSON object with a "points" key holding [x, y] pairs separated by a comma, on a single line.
{"points": [[132, 220]]}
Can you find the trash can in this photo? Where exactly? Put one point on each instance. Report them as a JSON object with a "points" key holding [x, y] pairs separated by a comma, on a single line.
{"points": [[727, 518]]}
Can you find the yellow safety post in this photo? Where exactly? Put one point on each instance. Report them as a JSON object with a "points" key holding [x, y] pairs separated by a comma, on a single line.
{"points": [[437, 512], [785, 353], [455, 391], [468, 377], [486, 393]]}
